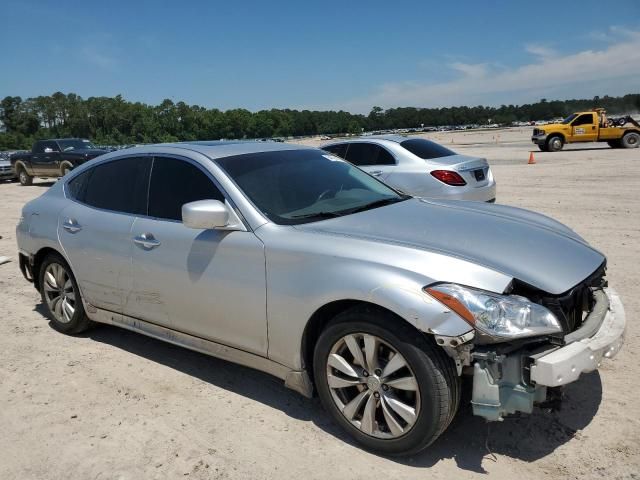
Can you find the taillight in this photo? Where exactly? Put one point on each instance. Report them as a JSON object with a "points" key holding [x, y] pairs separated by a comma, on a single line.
{"points": [[450, 178]]}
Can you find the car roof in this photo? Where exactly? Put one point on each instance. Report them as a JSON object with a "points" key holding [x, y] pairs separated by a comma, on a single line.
{"points": [[222, 148], [369, 138]]}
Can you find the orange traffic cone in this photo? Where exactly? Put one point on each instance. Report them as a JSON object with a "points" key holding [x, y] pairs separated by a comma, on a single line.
{"points": [[532, 160]]}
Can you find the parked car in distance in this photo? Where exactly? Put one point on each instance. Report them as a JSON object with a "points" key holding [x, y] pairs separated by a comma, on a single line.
{"points": [[53, 158], [6, 171], [419, 167], [295, 262]]}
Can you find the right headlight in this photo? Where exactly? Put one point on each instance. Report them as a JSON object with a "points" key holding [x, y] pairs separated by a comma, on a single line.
{"points": [[504, 316]]}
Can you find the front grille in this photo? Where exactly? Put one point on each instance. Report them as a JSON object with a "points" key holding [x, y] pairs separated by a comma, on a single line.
{"points": [[538, 131]]}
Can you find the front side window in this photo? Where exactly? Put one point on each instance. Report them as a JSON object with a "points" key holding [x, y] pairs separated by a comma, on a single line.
{"points": [[175, 182], [584, 119], [300, 186], [426, 149], [119, 185], [368, 154]]}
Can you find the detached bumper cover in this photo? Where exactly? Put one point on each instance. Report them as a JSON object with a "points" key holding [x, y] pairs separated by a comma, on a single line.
{"points": [[564, 365], [499, 387]]}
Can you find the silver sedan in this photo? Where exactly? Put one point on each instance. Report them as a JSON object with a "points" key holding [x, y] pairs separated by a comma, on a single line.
{"points": [[295, 262], [419, 167]]}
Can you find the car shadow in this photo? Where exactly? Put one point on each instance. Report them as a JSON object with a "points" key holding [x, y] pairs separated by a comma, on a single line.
{"points": [[469, 440], [571, 149]]}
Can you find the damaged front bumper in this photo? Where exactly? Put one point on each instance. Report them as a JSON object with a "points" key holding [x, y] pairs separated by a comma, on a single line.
{"points": [[507, 383]]}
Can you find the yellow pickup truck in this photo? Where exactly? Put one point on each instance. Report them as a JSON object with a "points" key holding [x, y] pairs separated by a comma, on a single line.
{"points": [[593, 126]]}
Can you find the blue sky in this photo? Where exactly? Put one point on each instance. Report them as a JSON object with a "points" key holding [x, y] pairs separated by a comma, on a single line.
{"points": [[326, 55]]}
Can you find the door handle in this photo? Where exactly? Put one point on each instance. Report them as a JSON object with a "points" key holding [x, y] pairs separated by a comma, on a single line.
{"points": [[71, 225], [146, 240], [376, 173]]}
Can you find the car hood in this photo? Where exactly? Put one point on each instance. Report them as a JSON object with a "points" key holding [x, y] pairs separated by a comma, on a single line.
{"points": [[530, 247]]}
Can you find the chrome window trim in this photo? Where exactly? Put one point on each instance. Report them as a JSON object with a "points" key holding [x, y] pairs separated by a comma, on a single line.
{"points": [[153, 156]]}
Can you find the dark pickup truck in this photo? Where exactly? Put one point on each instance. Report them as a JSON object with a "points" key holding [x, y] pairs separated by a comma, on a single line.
{"points": [[53, 158]]}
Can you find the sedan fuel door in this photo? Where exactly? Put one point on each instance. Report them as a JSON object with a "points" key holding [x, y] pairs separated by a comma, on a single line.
{"points": [[207, 282], [95, 228]]}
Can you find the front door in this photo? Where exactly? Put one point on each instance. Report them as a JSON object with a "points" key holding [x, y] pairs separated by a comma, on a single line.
{"points": [[47, 161], [584, 128], [95, 229], [207, 283]]}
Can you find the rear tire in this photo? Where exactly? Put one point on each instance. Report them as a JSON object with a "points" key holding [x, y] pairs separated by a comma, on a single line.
{"points": [[24, 178], [554, 143], [428, 396], [61, 296], [630, 140]]}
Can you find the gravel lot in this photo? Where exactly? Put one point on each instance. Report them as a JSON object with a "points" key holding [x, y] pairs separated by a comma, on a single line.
{"points": [[113, 404]]}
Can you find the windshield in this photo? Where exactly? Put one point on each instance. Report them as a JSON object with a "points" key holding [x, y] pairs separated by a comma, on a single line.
{"points": [[299, 186], [426, 149], [569, 118], [68, 145]]}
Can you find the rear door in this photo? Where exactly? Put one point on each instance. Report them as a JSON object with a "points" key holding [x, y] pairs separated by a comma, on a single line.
{"points": [[95, 229], [372, 158], [208, 283], [584, 128]]}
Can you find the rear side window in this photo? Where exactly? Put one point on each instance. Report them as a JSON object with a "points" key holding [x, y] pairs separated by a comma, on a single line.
{"points": [[77, 187], [339, 150], [120, 185], [176, 182], [365, 154], [426, 149], [585, 119]]}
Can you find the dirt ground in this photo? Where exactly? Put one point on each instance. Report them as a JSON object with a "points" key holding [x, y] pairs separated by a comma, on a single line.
{"points": [[113, 404]]}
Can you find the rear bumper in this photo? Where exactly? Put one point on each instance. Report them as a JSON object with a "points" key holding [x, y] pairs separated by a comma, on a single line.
{"points": [[564, 365]]}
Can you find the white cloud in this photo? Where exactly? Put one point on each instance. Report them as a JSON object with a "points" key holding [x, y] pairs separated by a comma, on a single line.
{"points": [[615, 63], [540, 51]]}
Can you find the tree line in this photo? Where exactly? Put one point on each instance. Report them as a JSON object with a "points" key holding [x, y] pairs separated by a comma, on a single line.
{"points": [[116, 121]]}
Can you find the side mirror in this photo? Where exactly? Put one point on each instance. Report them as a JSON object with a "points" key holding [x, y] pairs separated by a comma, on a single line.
{"points": [[205, 214]]}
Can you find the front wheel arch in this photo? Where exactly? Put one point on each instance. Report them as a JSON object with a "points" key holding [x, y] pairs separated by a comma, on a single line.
{"points": [[323, 316]]}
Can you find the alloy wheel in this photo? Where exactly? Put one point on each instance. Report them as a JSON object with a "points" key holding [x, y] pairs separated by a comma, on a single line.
{"points": [[59, 292], [373, 386]]}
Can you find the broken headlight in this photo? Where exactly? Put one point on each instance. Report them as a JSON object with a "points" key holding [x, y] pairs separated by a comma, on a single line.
{"points": [[504, 316]]}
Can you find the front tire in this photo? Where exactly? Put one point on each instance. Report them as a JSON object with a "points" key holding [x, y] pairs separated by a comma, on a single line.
{"points": [[631, 140], [24, 178], [554, 144], [391, 388], [61, 296]]}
